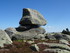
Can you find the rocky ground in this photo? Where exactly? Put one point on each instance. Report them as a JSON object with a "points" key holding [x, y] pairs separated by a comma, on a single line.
{"points": [[36, 46]]}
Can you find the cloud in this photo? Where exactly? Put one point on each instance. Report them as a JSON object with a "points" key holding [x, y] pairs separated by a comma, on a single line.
{"points": [[49, 27]]}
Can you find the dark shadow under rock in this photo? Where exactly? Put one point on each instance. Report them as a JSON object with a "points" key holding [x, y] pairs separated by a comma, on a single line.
{"points": [[26, 27]]}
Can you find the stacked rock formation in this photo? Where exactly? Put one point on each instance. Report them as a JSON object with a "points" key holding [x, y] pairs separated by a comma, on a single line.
{"points": [[31, 19], [29, 25]]}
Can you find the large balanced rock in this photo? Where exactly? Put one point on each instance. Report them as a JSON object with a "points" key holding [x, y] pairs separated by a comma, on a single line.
{"points": [[4, 38], [31, 16]]}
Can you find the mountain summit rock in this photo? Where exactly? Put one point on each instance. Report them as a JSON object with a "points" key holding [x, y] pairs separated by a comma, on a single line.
{"points": [[30, 25], [31, 16]]}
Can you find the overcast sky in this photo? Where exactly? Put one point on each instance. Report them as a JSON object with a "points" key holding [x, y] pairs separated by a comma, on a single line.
{"points": [[56, 12]]}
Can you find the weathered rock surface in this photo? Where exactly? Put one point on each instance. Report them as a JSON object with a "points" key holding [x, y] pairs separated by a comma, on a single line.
{"points": [[40, 36], [38, 30], [56, 45], [10, 31], [66, 37], [56, 50], [30, 42], [27, 34], [62, 41], [4, 38], [57, 36], [31, 16], [35, 47], [50, 37]]}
